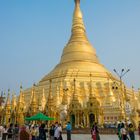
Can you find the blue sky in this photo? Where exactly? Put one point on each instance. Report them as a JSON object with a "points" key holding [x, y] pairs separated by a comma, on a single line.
{"points": [[33, 34]]}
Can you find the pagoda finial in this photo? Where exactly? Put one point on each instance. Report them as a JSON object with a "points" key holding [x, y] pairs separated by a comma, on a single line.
{"points": [[20, 99], [8, 98], [21, 88], [13, 100], [77, 1], [78, 28]]}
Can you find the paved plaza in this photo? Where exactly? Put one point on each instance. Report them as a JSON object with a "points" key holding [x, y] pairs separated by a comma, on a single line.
{"points": [[88, 137]]}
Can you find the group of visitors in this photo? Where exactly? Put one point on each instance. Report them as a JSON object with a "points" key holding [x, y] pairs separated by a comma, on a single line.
{"points": [[24, 132], [9, 133], [124, 131], [34, 132], [56, 131], [41, 132], [127, 131]]}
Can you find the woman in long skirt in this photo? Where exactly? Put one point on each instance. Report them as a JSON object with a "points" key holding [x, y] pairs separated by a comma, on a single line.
{"points": [[93, 133]]}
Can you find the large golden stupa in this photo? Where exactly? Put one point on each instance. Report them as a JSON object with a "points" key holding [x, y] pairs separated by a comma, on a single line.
{"points": [[80, 88]]}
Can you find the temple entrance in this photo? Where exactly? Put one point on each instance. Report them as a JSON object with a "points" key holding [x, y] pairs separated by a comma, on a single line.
{"points": [[73, 120], [91, 119]]}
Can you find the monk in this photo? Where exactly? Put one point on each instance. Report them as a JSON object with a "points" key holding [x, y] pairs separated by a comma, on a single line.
{"points": [[24, 135]]}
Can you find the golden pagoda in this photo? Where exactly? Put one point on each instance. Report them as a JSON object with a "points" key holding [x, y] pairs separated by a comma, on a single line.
{"points": [[20, 109], [8, 109], [90, 96], [80, 89], [13, 108]]}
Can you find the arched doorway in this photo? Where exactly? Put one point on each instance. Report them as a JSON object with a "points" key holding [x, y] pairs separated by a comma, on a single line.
{"points": [[73, 120], [91, 119]]}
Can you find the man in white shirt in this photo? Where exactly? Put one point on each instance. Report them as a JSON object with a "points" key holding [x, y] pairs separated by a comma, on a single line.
{"points": [[57, 131], [1, 128]]}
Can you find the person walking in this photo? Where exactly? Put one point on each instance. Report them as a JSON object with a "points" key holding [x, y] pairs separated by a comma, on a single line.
{"points": [[42, 132], [4, 133], [24, 135], [37, 132], [10, 132], [33, 133], [123, 132], [68, 129], [51, 132], [131, 131], [139, 130], [57, 131], [1, 127], [16, 132], [95, 132], [119, 131], [60, 132]]}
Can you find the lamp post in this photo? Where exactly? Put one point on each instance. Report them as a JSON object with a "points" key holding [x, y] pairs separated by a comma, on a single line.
{"points": [[120, 75]]}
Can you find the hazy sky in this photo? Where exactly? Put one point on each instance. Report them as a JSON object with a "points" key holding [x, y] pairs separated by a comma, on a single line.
{"points": [[33, 34]]}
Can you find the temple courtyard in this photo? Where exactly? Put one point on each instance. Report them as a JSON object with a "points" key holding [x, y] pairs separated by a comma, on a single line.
{"points": [[88, 137]]}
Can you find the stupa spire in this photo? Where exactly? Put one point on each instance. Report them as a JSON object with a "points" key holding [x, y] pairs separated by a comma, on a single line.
{"points": [[13, 101], [8, 102], [33, 95], [77, 1], [20, 100], [78, 28], [78, 47]]}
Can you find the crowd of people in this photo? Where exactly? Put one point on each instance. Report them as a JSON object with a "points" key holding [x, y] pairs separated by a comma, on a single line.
{"points": [[54, 132], [34, 132], [127, 131]]}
